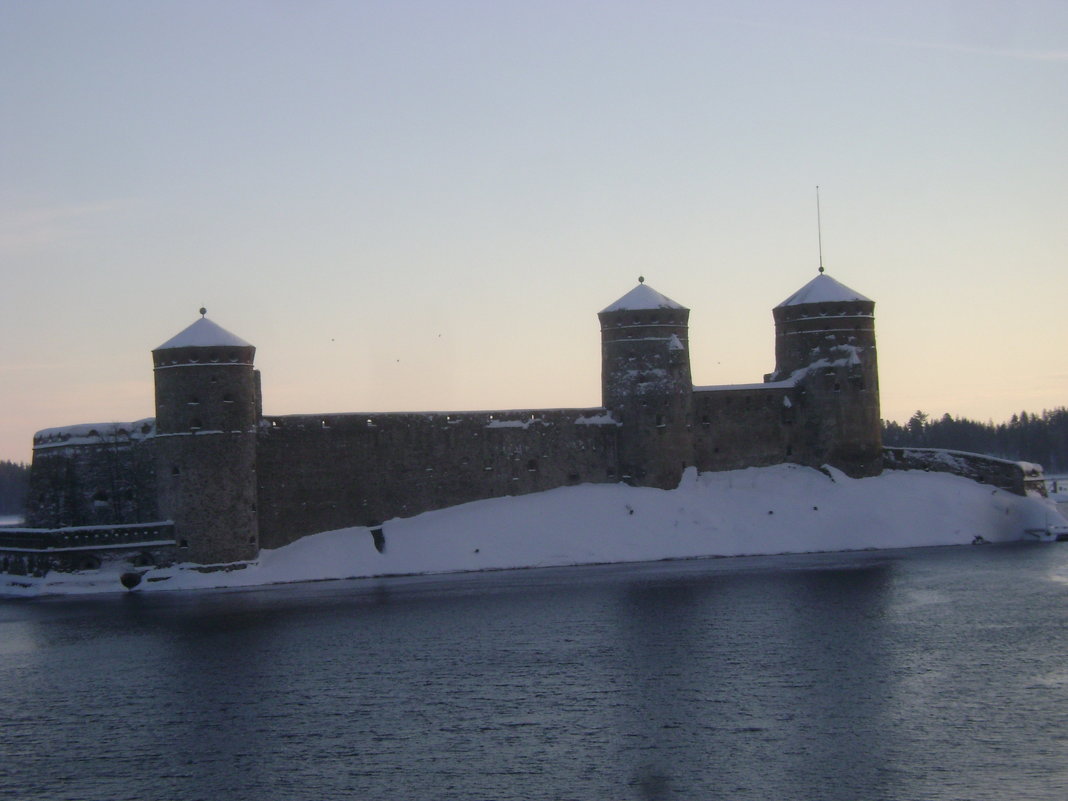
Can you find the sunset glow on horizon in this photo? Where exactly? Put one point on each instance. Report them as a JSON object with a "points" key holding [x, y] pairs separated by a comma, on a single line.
{"points": [[423, 205]]}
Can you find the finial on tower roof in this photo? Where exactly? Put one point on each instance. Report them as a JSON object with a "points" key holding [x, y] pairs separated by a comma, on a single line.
{"points": [[819, 228], [203, 311], [641, 279]]}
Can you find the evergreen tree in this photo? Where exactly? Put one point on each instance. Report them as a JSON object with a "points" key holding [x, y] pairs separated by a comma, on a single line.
{"points": [[1027, 436], [14, 484]]}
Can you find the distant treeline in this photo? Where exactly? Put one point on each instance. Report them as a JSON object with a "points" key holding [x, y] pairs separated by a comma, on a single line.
{"points": [[1041, 438], [14, 484]]}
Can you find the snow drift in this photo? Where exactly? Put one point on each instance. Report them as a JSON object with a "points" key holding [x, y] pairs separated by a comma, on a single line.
{"points": [[782, 509]]}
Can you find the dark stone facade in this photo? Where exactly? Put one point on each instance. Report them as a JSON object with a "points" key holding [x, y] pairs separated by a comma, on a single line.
{"points": [[1015, 477], [826, 350], [233, 481], [735, 428], [37, 551], [206, 422], [646, 385], [93, 475], [318, 473]]}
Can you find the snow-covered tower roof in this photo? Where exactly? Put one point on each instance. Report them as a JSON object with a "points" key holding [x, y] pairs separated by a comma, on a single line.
{"points": [[641, 297], [204, 334], [823, 289]]}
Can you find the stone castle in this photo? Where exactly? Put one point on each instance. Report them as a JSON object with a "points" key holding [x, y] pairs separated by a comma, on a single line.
{"points": [[212, 480]]}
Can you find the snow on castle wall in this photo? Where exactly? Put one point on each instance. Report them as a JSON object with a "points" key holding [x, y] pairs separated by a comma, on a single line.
{"points": [[101, 473]]}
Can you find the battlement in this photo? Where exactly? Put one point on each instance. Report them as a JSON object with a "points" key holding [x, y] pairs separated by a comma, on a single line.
{"points": [[510, 418], [109, 434]]}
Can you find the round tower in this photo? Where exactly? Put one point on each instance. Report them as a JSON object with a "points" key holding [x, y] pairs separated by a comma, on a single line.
{"points": [[207, 409], [825, 344], [646, 384]]}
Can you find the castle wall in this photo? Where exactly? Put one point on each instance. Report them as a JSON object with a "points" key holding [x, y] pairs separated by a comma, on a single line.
{"points": [[231, 481], [747, 426], [97, 474], [1016, 477], [322, 472]]}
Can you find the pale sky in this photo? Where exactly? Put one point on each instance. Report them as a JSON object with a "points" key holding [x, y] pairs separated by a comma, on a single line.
{"points": [[422, 205]]}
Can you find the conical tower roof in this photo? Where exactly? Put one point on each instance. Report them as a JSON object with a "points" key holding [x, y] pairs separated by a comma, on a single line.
{"points": [[823, 289], [204, 334], [642, 296]]}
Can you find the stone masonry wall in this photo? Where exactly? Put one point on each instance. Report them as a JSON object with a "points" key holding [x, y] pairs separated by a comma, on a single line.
{"points": [[646, 383], [93, 475], [828, 350], [1002, 473], [207, 486], [738, 428], [322, 472]]}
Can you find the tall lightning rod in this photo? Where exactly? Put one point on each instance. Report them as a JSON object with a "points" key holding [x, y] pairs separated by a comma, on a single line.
{"points": [[819, 228]]}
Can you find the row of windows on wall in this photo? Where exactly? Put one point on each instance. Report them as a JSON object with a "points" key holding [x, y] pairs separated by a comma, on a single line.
{"points": [[652, 319], [787, 417], [632, 334], [197, 357], [532, 466], [449, 418], [197, 424], [745, 401], [631, 356], [842, 312], [802, 312], [802, 332], [194, 400]]}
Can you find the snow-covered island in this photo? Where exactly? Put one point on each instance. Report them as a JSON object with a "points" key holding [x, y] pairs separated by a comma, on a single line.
{"points": [[212, 492], [770, 510]]}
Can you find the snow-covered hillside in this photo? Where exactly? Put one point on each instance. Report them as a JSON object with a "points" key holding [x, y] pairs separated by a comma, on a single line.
{"points": [[783, 509]]}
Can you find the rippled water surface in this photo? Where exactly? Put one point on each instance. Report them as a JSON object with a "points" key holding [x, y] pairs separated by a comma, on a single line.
{"points": [[923, 674]]}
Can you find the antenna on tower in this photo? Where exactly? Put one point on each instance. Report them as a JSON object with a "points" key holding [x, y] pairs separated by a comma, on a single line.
{"points": [[819, 228]]}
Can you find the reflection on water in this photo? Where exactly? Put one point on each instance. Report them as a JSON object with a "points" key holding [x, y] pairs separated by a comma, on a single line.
{"points": [[767, 670], [900, 675]]}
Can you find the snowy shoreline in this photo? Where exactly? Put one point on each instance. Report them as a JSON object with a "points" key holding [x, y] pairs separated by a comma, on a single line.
{"points": [[757, 511]]}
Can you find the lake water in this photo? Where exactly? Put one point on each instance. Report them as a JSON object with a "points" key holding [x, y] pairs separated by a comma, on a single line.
{"points": [[923, 674]]}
